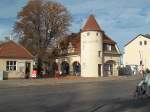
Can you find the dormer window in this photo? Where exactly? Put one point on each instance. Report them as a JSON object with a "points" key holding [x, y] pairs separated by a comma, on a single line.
{"points": [[70, 48], [70, 45], [107, 47]]}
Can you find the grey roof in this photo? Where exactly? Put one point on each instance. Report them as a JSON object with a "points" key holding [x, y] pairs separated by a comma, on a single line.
{"points": [[146, 36]]}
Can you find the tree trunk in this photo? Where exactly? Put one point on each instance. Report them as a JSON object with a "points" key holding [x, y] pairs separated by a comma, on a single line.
{"points": [[39, 67]]}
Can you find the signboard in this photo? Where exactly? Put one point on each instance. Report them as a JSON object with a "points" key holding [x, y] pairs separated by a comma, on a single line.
{"points": [[34, 74]]}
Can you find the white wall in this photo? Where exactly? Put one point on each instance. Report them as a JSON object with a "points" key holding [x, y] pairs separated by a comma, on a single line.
{"points": [[90, 45], [134, 52]]}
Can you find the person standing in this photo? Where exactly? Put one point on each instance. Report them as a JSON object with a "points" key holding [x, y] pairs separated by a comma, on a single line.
{"points": [[142, 70]]}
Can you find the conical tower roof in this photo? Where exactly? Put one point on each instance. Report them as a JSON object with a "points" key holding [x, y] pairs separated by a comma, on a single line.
{"points": [[91, 24]]}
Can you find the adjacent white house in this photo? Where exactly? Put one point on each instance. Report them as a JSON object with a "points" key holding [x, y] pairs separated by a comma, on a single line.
{"points": [[90, 52], [136, 52]]}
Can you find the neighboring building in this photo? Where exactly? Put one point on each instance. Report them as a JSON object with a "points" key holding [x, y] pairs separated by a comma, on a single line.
{"points": [[136, 52], [90, 53], [15, 60]]}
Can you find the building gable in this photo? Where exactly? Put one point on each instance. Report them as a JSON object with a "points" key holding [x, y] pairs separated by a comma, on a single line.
{"points": [[144, 36]]}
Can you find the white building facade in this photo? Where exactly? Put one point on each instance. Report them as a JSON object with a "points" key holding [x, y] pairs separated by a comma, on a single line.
{"points": [[15, 60], [92, 53], [136, 52]]}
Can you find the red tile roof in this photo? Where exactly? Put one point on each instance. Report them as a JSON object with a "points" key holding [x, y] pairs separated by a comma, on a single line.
{"points": [[74, 38], [91, 24], [14, 50], [107, 39]]}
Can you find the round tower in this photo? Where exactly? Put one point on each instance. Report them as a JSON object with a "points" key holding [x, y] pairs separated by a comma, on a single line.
{"points": [[91, 49]]}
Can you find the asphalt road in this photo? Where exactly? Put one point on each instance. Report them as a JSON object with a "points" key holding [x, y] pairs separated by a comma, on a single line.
{"points": [[105, 96]]}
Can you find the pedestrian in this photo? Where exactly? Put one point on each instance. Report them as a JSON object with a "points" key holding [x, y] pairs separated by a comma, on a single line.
{"points": [[57, 74], [142, 70]]}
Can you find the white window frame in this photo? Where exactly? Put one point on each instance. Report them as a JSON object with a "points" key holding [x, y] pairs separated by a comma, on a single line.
{"points": [[108, 47], [97, 34], [11, 65]]}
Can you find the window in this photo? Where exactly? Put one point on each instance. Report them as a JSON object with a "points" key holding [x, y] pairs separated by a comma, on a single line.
{"points": [[145, 42], [88, 33], [108, 47], [97, 34], [99, 53], [11, 65], [140, 43]]}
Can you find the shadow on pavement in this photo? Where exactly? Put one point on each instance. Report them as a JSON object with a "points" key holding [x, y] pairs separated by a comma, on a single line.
{"points": [[131, 105]]}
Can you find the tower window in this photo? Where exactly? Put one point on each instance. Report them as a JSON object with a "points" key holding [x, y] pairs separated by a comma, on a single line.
{"points": [[140, 43], [107, 47], [88, 33], [145, 42], [99, 53], [97, 34]]}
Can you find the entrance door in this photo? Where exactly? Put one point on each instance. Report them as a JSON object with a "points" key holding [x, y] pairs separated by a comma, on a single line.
{"points": [[65, 68], [27, 71], [108, 68], [99, 69], [76, 68]]}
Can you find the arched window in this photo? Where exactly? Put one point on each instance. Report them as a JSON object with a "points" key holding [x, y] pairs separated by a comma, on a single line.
{"points": [[76, 68], [65, 67]]}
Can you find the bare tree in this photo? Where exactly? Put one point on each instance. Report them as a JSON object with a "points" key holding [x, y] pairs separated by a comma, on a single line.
{"points": [[40, 21]]}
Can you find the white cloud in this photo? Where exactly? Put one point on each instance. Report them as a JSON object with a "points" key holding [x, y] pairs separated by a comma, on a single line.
{"points": [[120, 19]]}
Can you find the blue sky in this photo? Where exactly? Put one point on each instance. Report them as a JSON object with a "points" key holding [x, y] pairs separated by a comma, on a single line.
{"points": [[122, 20]]}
